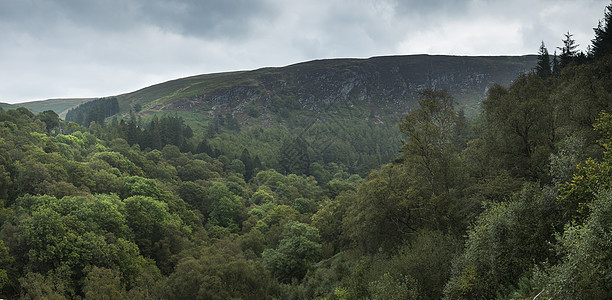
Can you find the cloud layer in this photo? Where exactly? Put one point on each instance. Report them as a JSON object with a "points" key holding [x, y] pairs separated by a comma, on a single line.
{"points": [[95, 48]]}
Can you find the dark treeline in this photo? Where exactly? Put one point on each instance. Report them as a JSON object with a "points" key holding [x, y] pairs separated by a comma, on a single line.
{"points": [[93, 111], [515, 204]]}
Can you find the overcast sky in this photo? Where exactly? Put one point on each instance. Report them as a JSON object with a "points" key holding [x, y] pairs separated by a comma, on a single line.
{"points": [[97, 48]]}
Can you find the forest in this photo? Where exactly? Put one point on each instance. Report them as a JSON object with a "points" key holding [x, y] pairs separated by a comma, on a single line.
{"points": [[515, 203]]}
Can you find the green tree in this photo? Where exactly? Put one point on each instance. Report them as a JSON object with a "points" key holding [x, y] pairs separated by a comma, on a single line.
{"points": [[519, 129], [50, 118], [388, 287], [568, 51], [225, 206], [219, 272], [294, 157], [136, 185], [6, 261], [249, 165], [491, 259], [37, 286], [543, 68], [149, 219], [584, 272], [103, 283], [602, 43], [433, 140], [591, 176], [295, 253]]}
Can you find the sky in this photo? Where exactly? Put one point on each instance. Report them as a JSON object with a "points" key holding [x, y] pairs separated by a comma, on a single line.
{"points": [[97, 48]]}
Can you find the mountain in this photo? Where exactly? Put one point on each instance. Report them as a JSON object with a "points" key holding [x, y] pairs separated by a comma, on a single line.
{"points": [[6, 106], [60, 106], [342, 111], [389, 83]]}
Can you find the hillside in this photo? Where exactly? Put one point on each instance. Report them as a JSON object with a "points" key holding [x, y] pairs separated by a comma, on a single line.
{"points": [[60, 106], [6, 106], [387, 83], [341, 111]]}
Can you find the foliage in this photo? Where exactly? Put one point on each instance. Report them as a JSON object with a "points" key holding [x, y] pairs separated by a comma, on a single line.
{"points": [[284, 200], [491, 260], [93, 111], [584, 272], [295, 252]]}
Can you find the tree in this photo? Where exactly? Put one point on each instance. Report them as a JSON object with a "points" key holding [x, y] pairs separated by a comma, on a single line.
{"points": [[103, 283], [568, 51], [149, 219], [507, 240], [602, 43], [249, 164], [295, 252], [50, 118], [225, 206], [584, 272], [5, 262], [556, 68], [591, 177], [432, 139], [294, 158], [136, 185], [218, 272], [518, 132], [543, 68]]}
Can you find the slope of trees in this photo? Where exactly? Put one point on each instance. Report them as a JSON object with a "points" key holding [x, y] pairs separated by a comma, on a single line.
{"points": [[93, 111]]}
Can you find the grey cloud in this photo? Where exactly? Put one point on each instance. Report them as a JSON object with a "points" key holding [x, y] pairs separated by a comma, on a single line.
{"points": [[77, 48], [211, 19], [208, 19]]}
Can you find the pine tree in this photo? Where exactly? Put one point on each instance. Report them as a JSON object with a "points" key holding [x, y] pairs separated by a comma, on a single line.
{"points": [[153, 134], [602, 43], [543, 68], [568, 51], [248, 164], [556, 69], [294, 156]]}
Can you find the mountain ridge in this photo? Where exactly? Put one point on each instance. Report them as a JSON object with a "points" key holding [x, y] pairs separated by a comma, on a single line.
{"points": [[390, 80]]}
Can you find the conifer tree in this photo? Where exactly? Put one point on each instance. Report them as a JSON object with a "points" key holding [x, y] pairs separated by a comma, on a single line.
{"points": [[556, 68], [568, 51], [602, 43], [543, 68], [248, 164]]}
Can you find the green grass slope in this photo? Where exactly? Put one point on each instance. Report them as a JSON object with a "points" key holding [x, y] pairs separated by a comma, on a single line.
{"points": [[60, 106]]}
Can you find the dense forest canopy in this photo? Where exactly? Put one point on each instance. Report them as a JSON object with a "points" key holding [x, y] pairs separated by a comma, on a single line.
{"points": [[514, 204]]}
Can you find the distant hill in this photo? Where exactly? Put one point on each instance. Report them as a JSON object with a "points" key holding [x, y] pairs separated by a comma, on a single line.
{"points": [[60, 106], [343, 111], [6, 106], [382, 84], [388, 83]]}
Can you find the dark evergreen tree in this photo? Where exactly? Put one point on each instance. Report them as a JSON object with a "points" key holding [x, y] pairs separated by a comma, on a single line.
{"points": [[247, 160], [294, 156], [257, 163], [93, 111], [568, 51], [204, 147], [133, 133], [602, 43], [556, 68], [543, 68]]}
